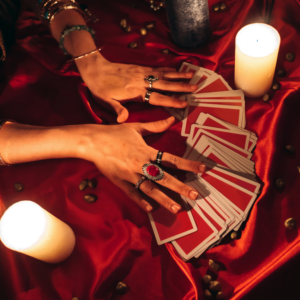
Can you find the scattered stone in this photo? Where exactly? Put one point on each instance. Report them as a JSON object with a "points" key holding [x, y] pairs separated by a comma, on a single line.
{"points": [[213, 265], [83, 184], [216, 7], [222, 6], [132, 45], [92, 183], [290, 223], [281, 72], [266, 97], [123, 23], [234, 235], [214, 286], [143, 31], [290, 57], [19, 187], [220, 296], [208, 294], [165, 51], [90, 198], [121, 288], [151, 25], [276, 86], [279, 183], [127, 28], [206, 279]]}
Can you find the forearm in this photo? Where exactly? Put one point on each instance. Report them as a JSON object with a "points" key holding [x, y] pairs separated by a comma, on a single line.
{"points": [[24, 143]]}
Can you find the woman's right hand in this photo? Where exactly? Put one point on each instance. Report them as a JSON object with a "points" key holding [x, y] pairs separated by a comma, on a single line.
{"points": [[119, 152]]}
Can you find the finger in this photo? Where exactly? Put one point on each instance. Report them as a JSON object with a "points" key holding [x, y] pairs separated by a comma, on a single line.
{"points": [[117, 108], [152, 190], [175, 162], [134, 194], [154, 127], [171, 75], [177, 186], [162, 100], [172, 86]]}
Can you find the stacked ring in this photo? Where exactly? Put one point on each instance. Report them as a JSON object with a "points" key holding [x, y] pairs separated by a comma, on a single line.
{"points": [[159, 157], [151, 79], [147, 96], [141, 180]]}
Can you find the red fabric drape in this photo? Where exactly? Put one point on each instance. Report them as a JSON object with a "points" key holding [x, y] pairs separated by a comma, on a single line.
{"points": [[114, 240]]}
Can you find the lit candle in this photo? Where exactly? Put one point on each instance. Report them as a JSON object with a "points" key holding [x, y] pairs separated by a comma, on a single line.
{"points": [[256, 51], [28, 228]]}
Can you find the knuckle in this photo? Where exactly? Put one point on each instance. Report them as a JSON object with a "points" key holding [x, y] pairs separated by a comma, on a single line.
{"points": [[175, 160], [165, 180], [151, 189]]}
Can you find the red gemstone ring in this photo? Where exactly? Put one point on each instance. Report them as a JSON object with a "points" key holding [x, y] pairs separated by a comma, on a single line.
{"points": [[153, 172]]}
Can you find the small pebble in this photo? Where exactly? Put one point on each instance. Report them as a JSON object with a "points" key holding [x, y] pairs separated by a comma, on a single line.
{"points": [[132, 45], [208, 294], [276, 86], [214, 286], [161, 4], [290, 57], [92, 183], [152, 6], [213, 265], [123, 23], [143, 31], [19, 187], [279, 183], [121, 288], [280, 72], [222, 6], [155, 8], [234, 235], [165, 51], [90, 198], [206, 279], [83, 184], [266, 97], [290, 223], [216, 7], [298, 168], [127, 28], [151, 1], [151, 25], [220, 296], [290, 149]]}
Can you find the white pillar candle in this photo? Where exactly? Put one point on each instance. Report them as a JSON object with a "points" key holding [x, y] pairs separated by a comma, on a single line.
{"points": [[28, 228], [256, 51]]}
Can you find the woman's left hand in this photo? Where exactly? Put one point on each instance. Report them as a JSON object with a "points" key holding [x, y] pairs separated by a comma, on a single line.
{"points": [[113, 84]]}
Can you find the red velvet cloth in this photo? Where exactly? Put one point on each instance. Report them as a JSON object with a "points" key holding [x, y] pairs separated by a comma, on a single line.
{"points": [[114, 240]]}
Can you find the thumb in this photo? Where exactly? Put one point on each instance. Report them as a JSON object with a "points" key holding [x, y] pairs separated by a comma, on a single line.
{"points": [[117, 108], [155, 127]]}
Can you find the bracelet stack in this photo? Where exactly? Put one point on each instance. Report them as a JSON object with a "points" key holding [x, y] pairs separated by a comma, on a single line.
{"points": [[49, 9]]}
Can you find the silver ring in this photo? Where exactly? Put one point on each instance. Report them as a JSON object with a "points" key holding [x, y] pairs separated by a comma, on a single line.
{"points": [[151, 79], [153, 172], [159, 157], [147, 96], [141, 180]]}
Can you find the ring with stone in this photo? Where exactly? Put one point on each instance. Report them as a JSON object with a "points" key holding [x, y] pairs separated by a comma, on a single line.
{"points": [[141, 180], [153, 172], [147, 96], [158, 158], [151, 79]]}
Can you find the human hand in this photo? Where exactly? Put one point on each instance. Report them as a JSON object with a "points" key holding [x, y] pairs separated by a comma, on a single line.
{"points": [[113, 84], [119, 152]]}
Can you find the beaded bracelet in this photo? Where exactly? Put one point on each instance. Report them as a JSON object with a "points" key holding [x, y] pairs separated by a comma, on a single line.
{"points": [[69, 30], [2, 122]]}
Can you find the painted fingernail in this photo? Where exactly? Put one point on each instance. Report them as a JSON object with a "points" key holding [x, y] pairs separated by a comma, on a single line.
{"points": [[202, 168], [193, 194], [148, 208], [175, 208]]}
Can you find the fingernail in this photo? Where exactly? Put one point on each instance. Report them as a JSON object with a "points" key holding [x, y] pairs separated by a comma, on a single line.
{"points": [[148, 208], [193, 194], [202, 168], [175, 208]]}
